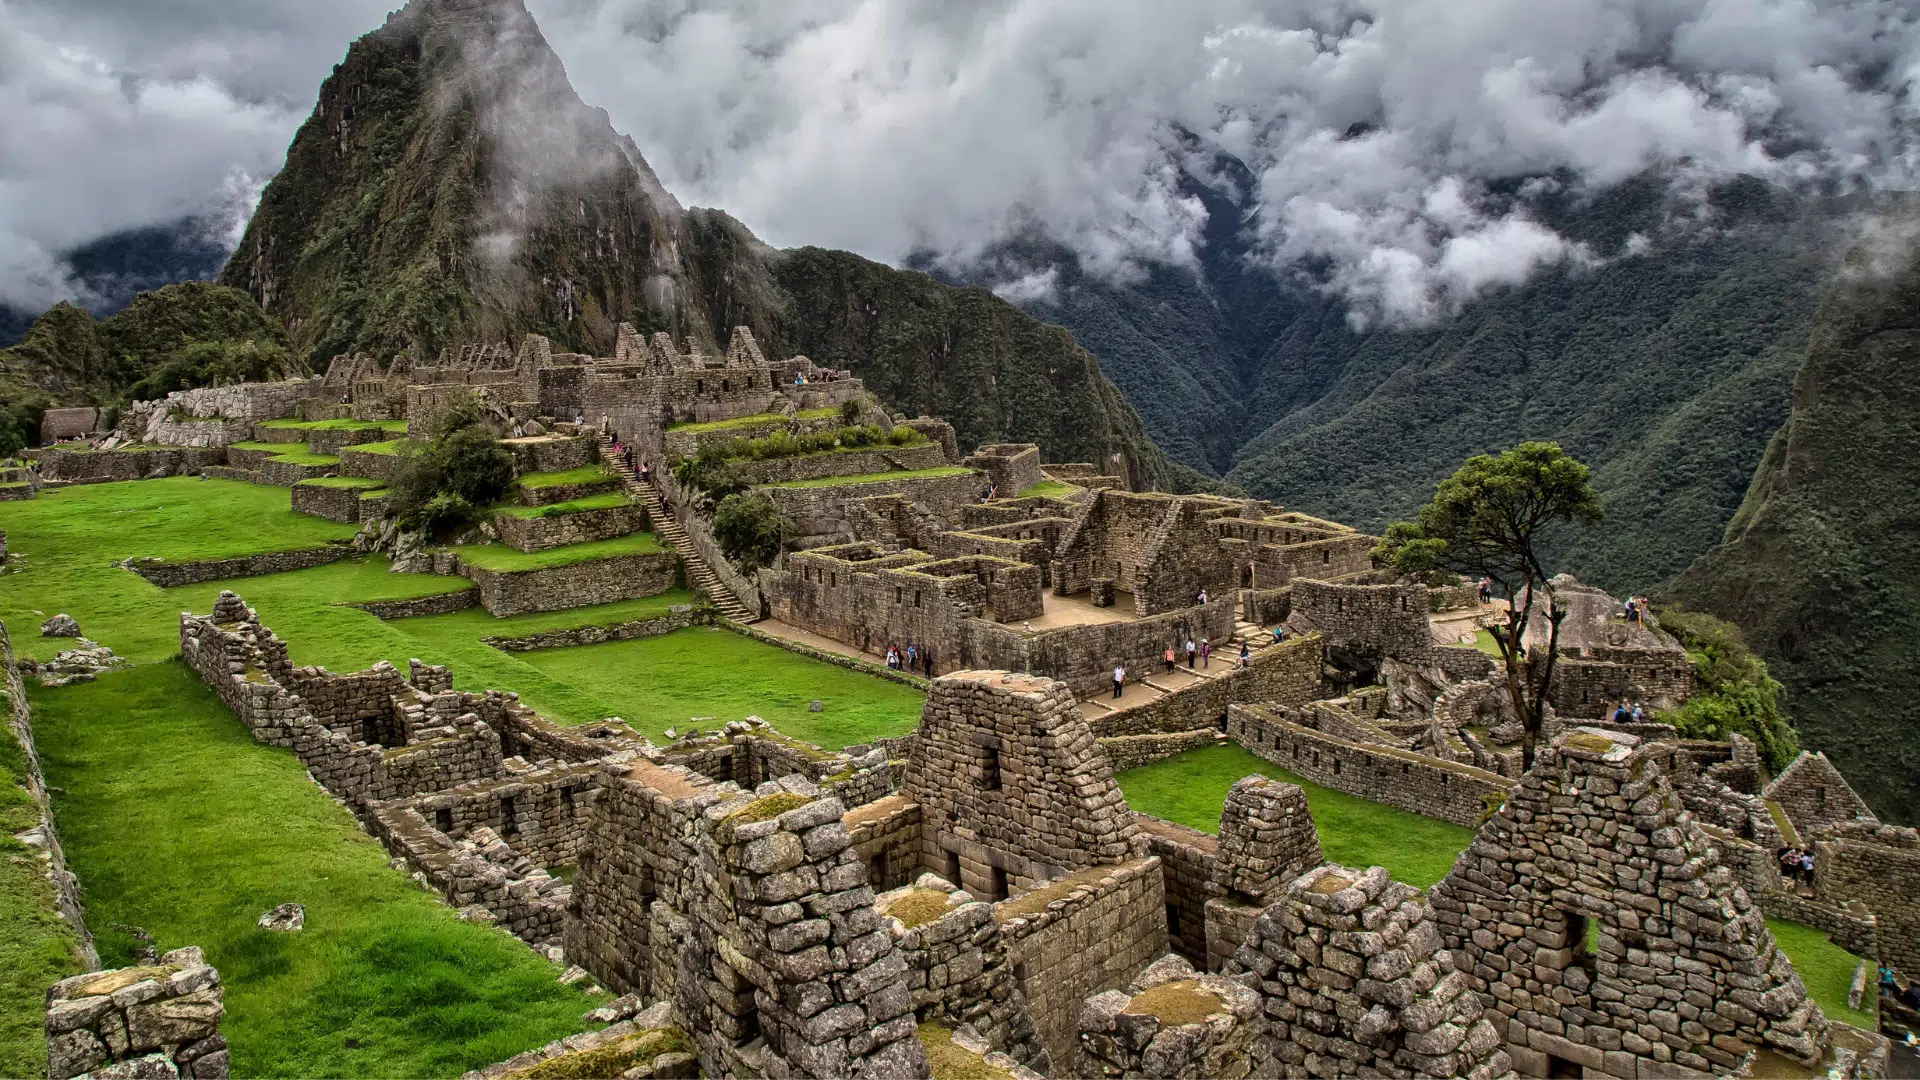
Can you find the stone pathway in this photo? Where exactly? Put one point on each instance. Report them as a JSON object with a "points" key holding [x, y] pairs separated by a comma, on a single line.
{"points": [[699, 574]]}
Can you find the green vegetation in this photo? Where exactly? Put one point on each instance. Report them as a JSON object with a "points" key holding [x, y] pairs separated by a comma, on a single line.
{"points": [[945, 1061], [502, 557], [605, 501], [1827, 970], [183, 826], [445, 483], [875, 478], [660, 682], [302, 457], [1733, 694], [585, 474], [704, 427], [750, 530], [390, 447], [1052, 489], [275, 448], [336, 425], [355, 482], [1191, 788]]}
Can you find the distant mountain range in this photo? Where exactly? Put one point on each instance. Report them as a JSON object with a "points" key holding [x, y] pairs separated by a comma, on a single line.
{"points": [[115, 268], [451, 187]]}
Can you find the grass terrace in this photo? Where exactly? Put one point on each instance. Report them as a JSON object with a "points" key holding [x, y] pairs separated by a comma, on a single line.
{"points": [[302, 457], [503, 558], [875, 478], [361, 482], [1052, 489], [606, 501], [275, 449], [391, 446], [723, 425], [336, 425], [1827, 970], [585, 474], [183, 826], [1191, 788]]}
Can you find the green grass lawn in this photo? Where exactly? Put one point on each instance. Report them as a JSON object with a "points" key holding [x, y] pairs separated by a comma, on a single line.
{"points": [[585, 474], [723, 425], [1827, 969], [363, 482], [660, 682], [72, 539], [502, 557], [1483, 641], [874, 478], [1191, 788], [391, 446], [605, 501], [302, 457], [274, 448], [1050, 488], [335, 425], [181, 825]]}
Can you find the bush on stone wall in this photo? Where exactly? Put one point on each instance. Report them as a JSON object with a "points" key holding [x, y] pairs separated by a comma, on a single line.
{"points": [[750, 530], [1733, 693], [447, 482]]}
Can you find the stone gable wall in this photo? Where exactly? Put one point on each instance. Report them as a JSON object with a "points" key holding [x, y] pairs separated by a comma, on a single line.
{"points": [[1813, 793]]}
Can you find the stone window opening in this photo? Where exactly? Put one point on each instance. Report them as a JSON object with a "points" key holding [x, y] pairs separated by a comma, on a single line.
{"points": [[951, 871], [916, 598], [899, 594], [988, 767], [566, 801], [509, 822], [1582, 938], [1820, 797], [996, 884], [877, 870], [443, 819], [1173, 921], [699, 386], [1326, 555], [726, 385]]}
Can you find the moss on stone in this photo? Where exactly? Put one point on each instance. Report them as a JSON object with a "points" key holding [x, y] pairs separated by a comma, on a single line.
{"points": [[767, 807], [945, 1061], [918, 907], [1179, 1002], [609, 1061]]}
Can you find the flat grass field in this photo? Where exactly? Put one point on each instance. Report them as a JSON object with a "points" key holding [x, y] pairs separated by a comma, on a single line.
{"points": [[178, 823], [1191, 789]]}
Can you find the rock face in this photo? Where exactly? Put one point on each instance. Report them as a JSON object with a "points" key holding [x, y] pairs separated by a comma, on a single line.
{"points": [[565, 231], [62, 625], [156, 1021]]}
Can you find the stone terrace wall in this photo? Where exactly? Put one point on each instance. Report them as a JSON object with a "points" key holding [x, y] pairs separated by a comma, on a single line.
{"points": [[1132, 751], [1111, 924], [374, 466], [574, 636], [597, 581], [156, 1021], [552, 453], [540, 533], [169, 575], [1418, 783], [66, 887], [1878, 865], [141, 463], [340, 504], [843, 463], [819, 511], [1284, 674]]}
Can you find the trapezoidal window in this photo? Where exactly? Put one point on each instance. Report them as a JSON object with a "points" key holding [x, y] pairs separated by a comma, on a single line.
{"points": [[986, 766], [509, 823]]}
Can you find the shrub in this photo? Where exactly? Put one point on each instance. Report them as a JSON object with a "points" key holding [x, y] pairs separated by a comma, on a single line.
{"points": [[1733, 693], [849, 412], [750, 530], [447, 482]]}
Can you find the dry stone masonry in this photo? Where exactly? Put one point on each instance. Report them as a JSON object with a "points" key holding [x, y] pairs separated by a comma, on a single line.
{"points": [[161, 1020]]}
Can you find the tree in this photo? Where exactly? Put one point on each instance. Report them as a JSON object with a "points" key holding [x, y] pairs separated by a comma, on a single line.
{"points": [[450, 480], [1486, 520], [750, 530]]}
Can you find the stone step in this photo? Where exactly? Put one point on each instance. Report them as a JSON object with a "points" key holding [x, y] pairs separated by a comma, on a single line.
{"points": [[700, 576]]}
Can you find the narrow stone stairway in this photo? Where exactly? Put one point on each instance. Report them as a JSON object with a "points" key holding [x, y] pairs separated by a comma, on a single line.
{"points": [[699, 575]]}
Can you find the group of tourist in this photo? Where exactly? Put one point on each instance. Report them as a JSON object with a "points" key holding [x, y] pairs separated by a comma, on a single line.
{"points": [[1630, 712], [1200, 654], [1636, 609], [1892, 991], [1796, 866], [912, 658]]}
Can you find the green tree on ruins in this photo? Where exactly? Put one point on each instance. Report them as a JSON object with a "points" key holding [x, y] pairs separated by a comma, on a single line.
{"points": [[1487, 520]]}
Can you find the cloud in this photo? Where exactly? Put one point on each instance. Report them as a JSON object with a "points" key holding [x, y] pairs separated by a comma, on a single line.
{"points": [[1378, 131]]}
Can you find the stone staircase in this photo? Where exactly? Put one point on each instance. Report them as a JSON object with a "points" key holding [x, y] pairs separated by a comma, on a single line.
{"points": [[699, 575]]}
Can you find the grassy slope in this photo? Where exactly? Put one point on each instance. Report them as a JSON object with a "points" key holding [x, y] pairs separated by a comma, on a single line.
{"points": [[875, 478], [592, 502], [1191, 788], [180, 824], [502, 557], [71, 542], [585, 474], [1820, 567], [1827, 970]]}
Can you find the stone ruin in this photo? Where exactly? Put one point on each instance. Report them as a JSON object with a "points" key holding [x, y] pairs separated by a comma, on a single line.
{"points": [[160, 1020]]}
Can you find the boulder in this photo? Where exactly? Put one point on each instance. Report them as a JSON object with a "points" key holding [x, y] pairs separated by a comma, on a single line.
{"points": [[61, 625], [286, 918]]}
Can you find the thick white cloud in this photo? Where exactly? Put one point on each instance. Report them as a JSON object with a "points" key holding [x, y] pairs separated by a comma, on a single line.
{"points": [[1374, 127]]}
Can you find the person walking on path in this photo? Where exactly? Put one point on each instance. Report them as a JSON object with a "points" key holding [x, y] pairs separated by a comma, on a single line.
{"points": [[1206, 652], [1119, 680], [913, 656], [926, 657], [1168, 656], [1192, 651]]}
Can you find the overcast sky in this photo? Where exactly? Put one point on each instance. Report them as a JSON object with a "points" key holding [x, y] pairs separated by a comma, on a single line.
{"points": [[887, 126]]}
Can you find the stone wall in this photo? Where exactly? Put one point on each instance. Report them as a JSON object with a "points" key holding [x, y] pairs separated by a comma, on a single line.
{"points": [[288, 473], [1812, 793], [1132, 751], [367, 463], [1111, 923], [1414, 782], [340, 504], [131, 463], [1366, 620], [169, 575], [44, 836], [1188, 860], [522, 899], [161, 1020], [1594, 916], [1285, 674], [1877, 866], [1013, 792], [553, 588], [552, 453], [437, 604], [1012, 467], [1171, 1022], [957, 966], [532, 534], [571, 637], [820, 466], [819, 511], [886, 836]]}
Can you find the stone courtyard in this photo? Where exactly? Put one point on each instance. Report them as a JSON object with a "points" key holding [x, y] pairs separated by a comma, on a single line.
{"points": [[980, 886]]}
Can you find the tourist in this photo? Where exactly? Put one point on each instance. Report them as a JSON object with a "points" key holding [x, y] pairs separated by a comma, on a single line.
{"points": [[1192, 650], [926, 657], [893, 658], [518, 431], [1119, 679], [1630, 609], [1246, 655], [1206, 651], [1486, 591], [646, 472], [1789, 865], [1279, 634], [1202, 598], [1621, 715], [1169, 658], [1639, 713], [1806, 868], [629, 458], [913, 656]]}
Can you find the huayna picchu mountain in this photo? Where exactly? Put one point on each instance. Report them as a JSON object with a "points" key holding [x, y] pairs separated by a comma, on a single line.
{"points": [[452, 187]]}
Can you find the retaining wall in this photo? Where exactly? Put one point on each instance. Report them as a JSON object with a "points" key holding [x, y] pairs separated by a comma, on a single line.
{"points": [[532, 534], [168, 575], [554, 588]]}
